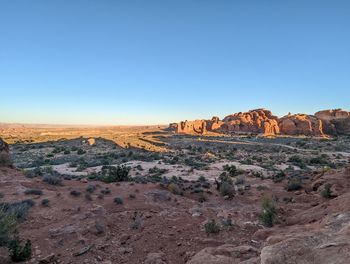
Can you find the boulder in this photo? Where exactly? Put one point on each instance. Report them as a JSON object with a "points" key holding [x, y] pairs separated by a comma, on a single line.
{"points": [[5, 159], [155, 258], [329, 244], [225, 254]]}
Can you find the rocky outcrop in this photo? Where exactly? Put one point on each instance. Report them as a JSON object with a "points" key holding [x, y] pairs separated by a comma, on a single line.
{"points": [[262, 121], [226, 254], [335, 122], [5, 159], [329, 244], [192, 127], [254, 121], [300, 124], [155, 258]]}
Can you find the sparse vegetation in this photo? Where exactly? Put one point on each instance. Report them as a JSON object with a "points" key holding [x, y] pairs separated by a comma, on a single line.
{"points": [[136, 221], [75, 193], [269, 212], [52, 179], [45, 202], [91, 188], [114, 174], [8, 226], [18, 252], [211, 227], [18, 209], [118, 200], [33, 192], [294, 184], [326, 192], [227, 189]]}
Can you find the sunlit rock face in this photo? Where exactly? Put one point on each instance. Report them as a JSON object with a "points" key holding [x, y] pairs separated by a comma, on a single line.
{"points": [[253, 121], [301, 124], [262, 121], [5, 159], [192, 127], [335, 122]]}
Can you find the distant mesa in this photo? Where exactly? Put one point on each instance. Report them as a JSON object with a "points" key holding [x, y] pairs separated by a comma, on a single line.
{"points": [[261, 121]]}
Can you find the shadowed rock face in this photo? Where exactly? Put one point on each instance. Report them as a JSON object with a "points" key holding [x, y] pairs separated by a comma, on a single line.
{"points": [[5, 159], [301, 124], [262, 121], [335, 122]]}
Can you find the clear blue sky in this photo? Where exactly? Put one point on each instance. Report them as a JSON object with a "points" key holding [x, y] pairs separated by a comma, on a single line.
{"points": [[150, 62]]}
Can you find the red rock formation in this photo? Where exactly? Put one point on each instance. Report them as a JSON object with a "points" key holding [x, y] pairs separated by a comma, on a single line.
{"points": [[192, 127], [261, 121], [254, 121], [300, 124], [215, 125], [336, 121]]}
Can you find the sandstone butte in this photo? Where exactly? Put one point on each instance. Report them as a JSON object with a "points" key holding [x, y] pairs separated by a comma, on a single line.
{"points": [[262, 121]]}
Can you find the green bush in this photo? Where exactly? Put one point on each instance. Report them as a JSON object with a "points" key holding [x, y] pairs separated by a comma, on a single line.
{"points": [[278, 177], [114, 174], [211, 227], [105, 191], [18, 209], [136, 221], [294, 184], [175, 189], [51, 179], [227, 189], [269, 213], [81, 152], [202, 178], [118, 200], [8, 232], [232, 170], [20, 253], [326, 192], [75, 193], [33, 191], [91, 188], [7, 226], [45, 202]]}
